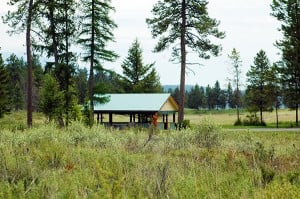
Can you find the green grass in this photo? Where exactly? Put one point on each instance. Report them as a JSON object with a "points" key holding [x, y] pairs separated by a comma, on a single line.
{"points": [[203, 162], [226, 118], [17, 120]]}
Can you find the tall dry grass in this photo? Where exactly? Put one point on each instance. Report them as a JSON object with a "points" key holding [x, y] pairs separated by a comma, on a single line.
{"points": [[202, 162]]}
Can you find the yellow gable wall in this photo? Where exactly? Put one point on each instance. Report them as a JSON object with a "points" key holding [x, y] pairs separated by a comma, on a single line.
{"points": [[168, 106]]}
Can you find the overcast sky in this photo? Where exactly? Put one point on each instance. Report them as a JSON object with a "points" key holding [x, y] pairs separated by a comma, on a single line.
{"points": [[247, 23]]}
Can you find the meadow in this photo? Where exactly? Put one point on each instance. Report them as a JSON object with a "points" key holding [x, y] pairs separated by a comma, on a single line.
{"points": [[205, 161]]}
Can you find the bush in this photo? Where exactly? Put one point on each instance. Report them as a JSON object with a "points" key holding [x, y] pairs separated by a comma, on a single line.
{"points": [[183, 125], [207, 134], [253, 120], [238, 122]]}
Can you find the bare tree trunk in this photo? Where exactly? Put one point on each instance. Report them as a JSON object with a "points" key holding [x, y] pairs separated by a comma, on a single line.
{"points": [[183, 62], [91, 77], [277, 117], [53, 34], [29, 62], [67, 78], [297, 115]]}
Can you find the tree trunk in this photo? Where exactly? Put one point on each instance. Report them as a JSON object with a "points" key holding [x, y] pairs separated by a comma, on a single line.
{"points": [[277, 120], [68, 99], [237, 93], [91, 77], [297, 115], [261, 114], [183, 62], [29, 62], [53, 35]]}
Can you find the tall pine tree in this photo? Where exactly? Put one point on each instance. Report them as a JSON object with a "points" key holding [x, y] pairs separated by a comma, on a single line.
{"points": [[184, 25], [259, 95], [97, 31], [4, 108], [288, 13], [21, 20]]}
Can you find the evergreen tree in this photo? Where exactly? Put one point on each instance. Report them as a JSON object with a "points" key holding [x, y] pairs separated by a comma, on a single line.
{"points": [[52, 99], [217, 94], [259, 90], [176, 94], [4, 108], [20, 20], [276, 90], [196, 97], [209, 97], [38, 75], [16, 69], [184, 24], [97, 27], [288, 13], [109, 81], [81, 83], [138, 77]]}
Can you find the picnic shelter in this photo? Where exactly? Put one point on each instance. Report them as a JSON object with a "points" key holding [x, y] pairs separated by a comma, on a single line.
{"points": [[139, 108]]}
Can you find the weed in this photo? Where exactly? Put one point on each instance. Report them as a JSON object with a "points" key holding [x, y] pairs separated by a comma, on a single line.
{"points": [[294, 177], [207, 134]]}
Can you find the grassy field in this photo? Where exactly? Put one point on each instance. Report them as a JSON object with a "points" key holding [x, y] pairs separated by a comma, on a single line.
{"points": [[226, 118], [205, 161]]}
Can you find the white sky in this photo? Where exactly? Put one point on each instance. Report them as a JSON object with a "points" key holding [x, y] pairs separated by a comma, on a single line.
{"points": [[247, 23]]}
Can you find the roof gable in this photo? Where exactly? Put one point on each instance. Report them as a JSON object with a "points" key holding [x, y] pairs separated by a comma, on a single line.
{"points": [[138, 102]]}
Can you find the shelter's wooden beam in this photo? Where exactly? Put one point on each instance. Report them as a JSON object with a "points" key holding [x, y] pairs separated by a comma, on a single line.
{"points": [[110, 119], [98, 118]]}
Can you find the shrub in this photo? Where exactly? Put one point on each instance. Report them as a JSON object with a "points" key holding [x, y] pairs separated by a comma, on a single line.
{"points": [[294, 177], [238, 122], [183, 125], [207, 134], [253, 120], [267, 175]]}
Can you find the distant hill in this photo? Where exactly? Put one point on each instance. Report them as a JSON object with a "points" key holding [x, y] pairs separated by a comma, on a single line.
{"points": [[173, 87]]}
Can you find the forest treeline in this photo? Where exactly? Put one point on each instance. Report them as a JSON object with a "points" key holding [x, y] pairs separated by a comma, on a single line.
{"points": [[55, 28]]}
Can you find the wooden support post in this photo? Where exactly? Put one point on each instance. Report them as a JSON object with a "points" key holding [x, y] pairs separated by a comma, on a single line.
{"points": [[174, 116], [98, 118], [101, 118], [130, 118], [110, 119]]}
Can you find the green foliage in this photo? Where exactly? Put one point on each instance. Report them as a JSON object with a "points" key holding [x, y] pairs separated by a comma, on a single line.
{"points": [[138, 77], [253, 120], [207, 134], [287, 12], [96, 31], [183, 125], [80, 162], [165, 25], [181, 25], [294, 177], [238, 122], [3, 89], [259, 94], [196, 97], [16, 68], [52, 99]]}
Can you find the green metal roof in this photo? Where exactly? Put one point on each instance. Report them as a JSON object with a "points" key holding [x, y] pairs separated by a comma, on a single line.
{"points": [[134, 102]]}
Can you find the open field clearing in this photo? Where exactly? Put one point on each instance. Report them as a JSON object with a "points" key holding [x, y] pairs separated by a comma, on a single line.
{"points": [[226, 118], [202, 162]]}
